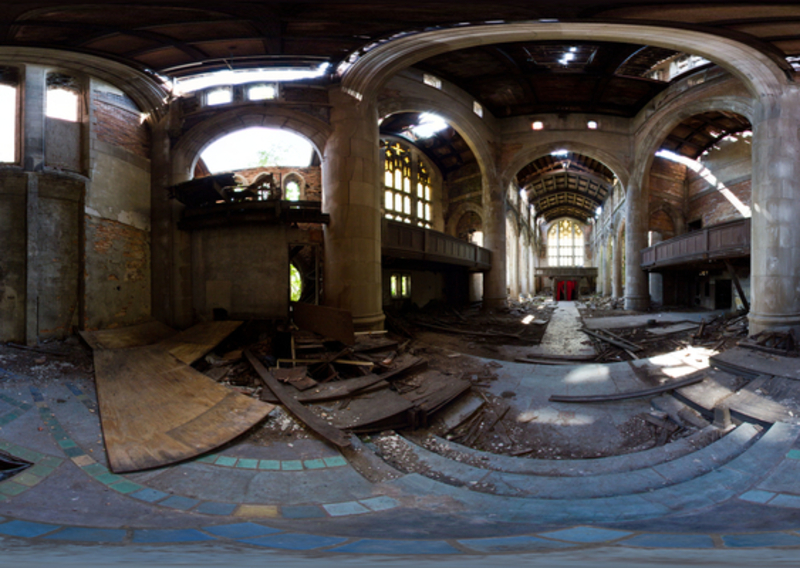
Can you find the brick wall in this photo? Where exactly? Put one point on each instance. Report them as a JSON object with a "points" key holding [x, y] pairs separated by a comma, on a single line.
{"points": [[667, 181], [312, 176], [118, 122], [713, 207]]}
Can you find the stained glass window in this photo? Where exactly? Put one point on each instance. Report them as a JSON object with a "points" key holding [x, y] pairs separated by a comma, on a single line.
{"points": [[565, 244], [400, 176]]}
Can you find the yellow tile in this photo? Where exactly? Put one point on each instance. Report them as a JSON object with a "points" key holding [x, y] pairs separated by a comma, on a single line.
{"points": [[83, 460], [270, 511]]}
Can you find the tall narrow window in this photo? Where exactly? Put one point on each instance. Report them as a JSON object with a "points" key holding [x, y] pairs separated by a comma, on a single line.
{"points": [[407, 194], [292, 191], [565, 244], [9, 80]]}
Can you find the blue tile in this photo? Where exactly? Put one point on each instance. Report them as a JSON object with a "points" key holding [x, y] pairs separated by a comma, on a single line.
{"points": [[302, 512], [226, 461], [513, 544], [343, 509], [381, 503], [791, 501], [760, 539], [75, 390], [247, 464], [757, 496], [83, 534], [314, 464], [26, 529], [213, 508], [179, 502], [169, 535], [381, 546], [293, 541], [241, 530], [74, 452], [292, 465], [586, 534], [336, 461], [269, 464], [149, 495], [670, 541]]}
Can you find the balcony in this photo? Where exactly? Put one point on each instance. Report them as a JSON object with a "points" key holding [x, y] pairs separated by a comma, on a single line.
{"points": [[401, 240], [720, 242]]}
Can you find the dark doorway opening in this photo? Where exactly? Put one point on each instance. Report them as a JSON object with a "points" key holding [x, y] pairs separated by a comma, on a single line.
{"points": [[723, 295]]}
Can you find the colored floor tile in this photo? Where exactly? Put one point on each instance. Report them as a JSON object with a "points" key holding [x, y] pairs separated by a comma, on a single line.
{"points": [[790, 501], [513, 544], [125, 486], [179, 502], [84, 534], [149, 495], [757, 496], [226, 461], [169, 535], [26, 529], [241, 530], [292, 465], [10, 488], [314, 464], [670, 541], [379, 546], [336, 461], [212, 508], [586, 535], [211, 458], [343, 509], [269, 464], [302, 512], [292, 541], [381, 503], [247, 464], [760, 539]]}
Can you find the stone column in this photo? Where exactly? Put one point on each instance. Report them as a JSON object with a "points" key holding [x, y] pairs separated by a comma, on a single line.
{"points": [[637, 296], [351, 195], [161, 226], [494, 281], [775, 247], [616, 266], [33, 109], [656, 279]]}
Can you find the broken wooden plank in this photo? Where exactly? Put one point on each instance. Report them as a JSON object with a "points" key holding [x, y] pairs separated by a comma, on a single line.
{"points": [[468, 332], [378, 345], [194, 343], [329, 322], [621, 343], [318, 425], [372, 412], [538, 361], [325, 361], [738, 284], [132, 336], [155, 410], [297, 377], [625, 395], [460, 412], [339, 389]]}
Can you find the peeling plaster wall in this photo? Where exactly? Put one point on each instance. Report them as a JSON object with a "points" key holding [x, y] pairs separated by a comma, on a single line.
{"points": [[117, 213], [12, 258]]}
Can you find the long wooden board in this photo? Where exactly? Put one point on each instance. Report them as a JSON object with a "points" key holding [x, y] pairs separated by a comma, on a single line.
{"points": [[190, 345], [133, 336], [156, 410], [754, 363], [329, 322], [625, 395]]}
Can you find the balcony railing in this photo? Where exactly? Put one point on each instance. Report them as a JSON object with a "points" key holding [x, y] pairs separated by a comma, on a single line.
{"points": [[402, 240], [728, 240]]}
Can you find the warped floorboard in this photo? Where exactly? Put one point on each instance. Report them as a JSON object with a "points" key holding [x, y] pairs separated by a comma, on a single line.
{"points": [[132, 336], [156, 410], [190, 345]]}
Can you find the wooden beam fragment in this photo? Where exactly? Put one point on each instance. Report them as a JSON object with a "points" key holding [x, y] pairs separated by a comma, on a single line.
{"points": [[625, 395], [317, 424]]}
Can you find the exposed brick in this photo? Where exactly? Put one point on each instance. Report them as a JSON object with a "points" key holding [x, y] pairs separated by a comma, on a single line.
{"points": [[120, 125]]}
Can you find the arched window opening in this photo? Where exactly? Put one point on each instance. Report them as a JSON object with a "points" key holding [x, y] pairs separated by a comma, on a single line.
{"points": [[565, 245], [257, 147], [62, 97], [401, 173], [9, 80], [295, 283]]}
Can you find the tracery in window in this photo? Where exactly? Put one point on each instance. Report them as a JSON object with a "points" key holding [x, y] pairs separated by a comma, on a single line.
{"points": [[400, 175], [565, 244]]}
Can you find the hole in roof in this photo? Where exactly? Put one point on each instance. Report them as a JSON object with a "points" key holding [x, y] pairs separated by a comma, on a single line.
{"points": [[257, 147], [238, 77]]}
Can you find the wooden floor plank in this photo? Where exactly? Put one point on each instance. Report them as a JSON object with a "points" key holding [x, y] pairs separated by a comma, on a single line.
{"points": [[156, 410], [190, 345], [133, 336]]}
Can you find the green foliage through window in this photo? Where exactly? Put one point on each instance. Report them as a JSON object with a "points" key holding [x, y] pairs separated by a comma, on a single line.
{"points": [[295, 283]]}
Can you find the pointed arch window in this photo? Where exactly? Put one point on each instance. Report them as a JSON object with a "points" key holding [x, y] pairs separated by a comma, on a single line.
{"points": [[407, 187], [565, 245]]}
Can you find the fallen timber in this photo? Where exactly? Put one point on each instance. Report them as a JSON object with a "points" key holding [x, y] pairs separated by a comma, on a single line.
{"points": [[626, 395]]}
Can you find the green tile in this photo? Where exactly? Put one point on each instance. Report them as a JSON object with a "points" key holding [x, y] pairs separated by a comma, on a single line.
{"points": [[314, 464], [6, 445], [40, 470], [67, 443], [291, 465], [336, 461], [125, 486], [11, 488], [50, 461], [95, 469], [210, 458], [28, 455], [247, 464], [27, 478], [269, 464], [226, 461], [793, 455], [108, 478]]}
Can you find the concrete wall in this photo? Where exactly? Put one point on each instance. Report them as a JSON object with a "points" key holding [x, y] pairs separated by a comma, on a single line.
{"points": [[117, 213], [13, 186], [244, 270]]}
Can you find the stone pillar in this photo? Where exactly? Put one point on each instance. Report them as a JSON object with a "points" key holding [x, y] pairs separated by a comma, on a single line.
{"points": [[33, 109], [494, 281], [351, 195], [161, 226], [775, 247], [656, 279], [637, 296], [616, 266]]}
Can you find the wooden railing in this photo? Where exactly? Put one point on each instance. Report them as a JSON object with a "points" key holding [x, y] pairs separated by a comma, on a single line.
{"points": [[567, 272], [728, 240], [402, 240]]}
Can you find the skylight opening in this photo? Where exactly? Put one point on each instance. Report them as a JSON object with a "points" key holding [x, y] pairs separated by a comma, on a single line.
{"points": [[432, 81], [62, 104], [257, 147], [538, 125], [429, 124], [592, 125], [219, 96], [559, 153], [262, 92], [186, 85], [8, 123]]}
